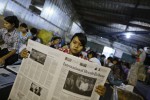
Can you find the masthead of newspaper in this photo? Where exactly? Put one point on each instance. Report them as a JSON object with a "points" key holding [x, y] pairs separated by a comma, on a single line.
{"points": [[49, 74]]}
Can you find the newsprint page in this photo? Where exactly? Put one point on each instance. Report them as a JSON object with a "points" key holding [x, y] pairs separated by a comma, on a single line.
{"points": [[50, 74]]}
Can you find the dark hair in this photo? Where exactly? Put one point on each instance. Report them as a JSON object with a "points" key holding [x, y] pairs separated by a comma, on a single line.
{"points": [[82, 38], [110, 58], [55, 38], [115, 59], [93, 53], [24, 25], [12, 20], [33, 31], [103, 56], [127, 65]]}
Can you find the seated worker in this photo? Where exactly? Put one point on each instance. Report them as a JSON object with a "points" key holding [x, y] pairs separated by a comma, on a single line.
{"points": [[34, 33], [77, 44], [116, 75], [102, 59], [108, 62], [55, 42], [24, 35], [43, 37], [92, 56], [9, 41]]}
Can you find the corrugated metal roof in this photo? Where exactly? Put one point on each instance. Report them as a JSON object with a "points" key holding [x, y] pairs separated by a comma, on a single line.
{"points": [[114, 18]]}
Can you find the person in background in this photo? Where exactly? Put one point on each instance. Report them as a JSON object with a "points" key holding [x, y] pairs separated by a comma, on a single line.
{"points": [[113, 79], [66, 46], [55, 43], [34, 33], [92, 56], [141, 55], [108, 62], [125, 68], [44, 36], [62, 43], [116, 69], [102, 59], [77, 44], [115, 76], [98, 56], [9, 41], [138, 68], [84, 55], [24, 35]]}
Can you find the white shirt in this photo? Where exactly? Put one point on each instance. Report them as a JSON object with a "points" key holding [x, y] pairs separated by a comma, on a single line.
{"points": [[95, 60]]}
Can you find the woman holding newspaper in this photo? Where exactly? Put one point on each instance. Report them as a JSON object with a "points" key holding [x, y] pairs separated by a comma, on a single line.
{"points": [[77, 44]]}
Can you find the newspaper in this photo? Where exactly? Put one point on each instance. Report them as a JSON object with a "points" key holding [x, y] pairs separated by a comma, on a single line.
{"points": [[14, 68], [49, 74]]}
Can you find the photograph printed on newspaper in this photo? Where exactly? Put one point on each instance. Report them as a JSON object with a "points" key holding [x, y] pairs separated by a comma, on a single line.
{"points": [[79, 84]]}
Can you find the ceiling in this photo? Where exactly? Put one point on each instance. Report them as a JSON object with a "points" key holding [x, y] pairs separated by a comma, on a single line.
{"points": [[113, 19], [36, 6]]}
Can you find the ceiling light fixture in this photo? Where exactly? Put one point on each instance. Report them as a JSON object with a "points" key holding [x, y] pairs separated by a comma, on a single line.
{"points": [[128, 35]]}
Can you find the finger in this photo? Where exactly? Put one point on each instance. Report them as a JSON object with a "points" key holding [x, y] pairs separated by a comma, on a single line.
{"points": [[99, 92], [25, 51], [101, 87], [26, 55]]}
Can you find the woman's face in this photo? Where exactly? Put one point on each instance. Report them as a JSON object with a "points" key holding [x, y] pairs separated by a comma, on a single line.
{"points": [[114, 62], [90, 56], [8, 25], [56, 41], [75, 46]]}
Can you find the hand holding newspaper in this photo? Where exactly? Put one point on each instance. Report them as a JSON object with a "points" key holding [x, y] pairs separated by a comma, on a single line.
{"points": [[49, 74]]}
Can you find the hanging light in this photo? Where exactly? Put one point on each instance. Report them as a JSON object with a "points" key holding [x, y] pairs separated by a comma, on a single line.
{"points": [[128, 35]]}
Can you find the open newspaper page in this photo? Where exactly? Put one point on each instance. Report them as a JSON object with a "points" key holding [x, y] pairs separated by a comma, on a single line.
{"points": [[49, 74]]}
